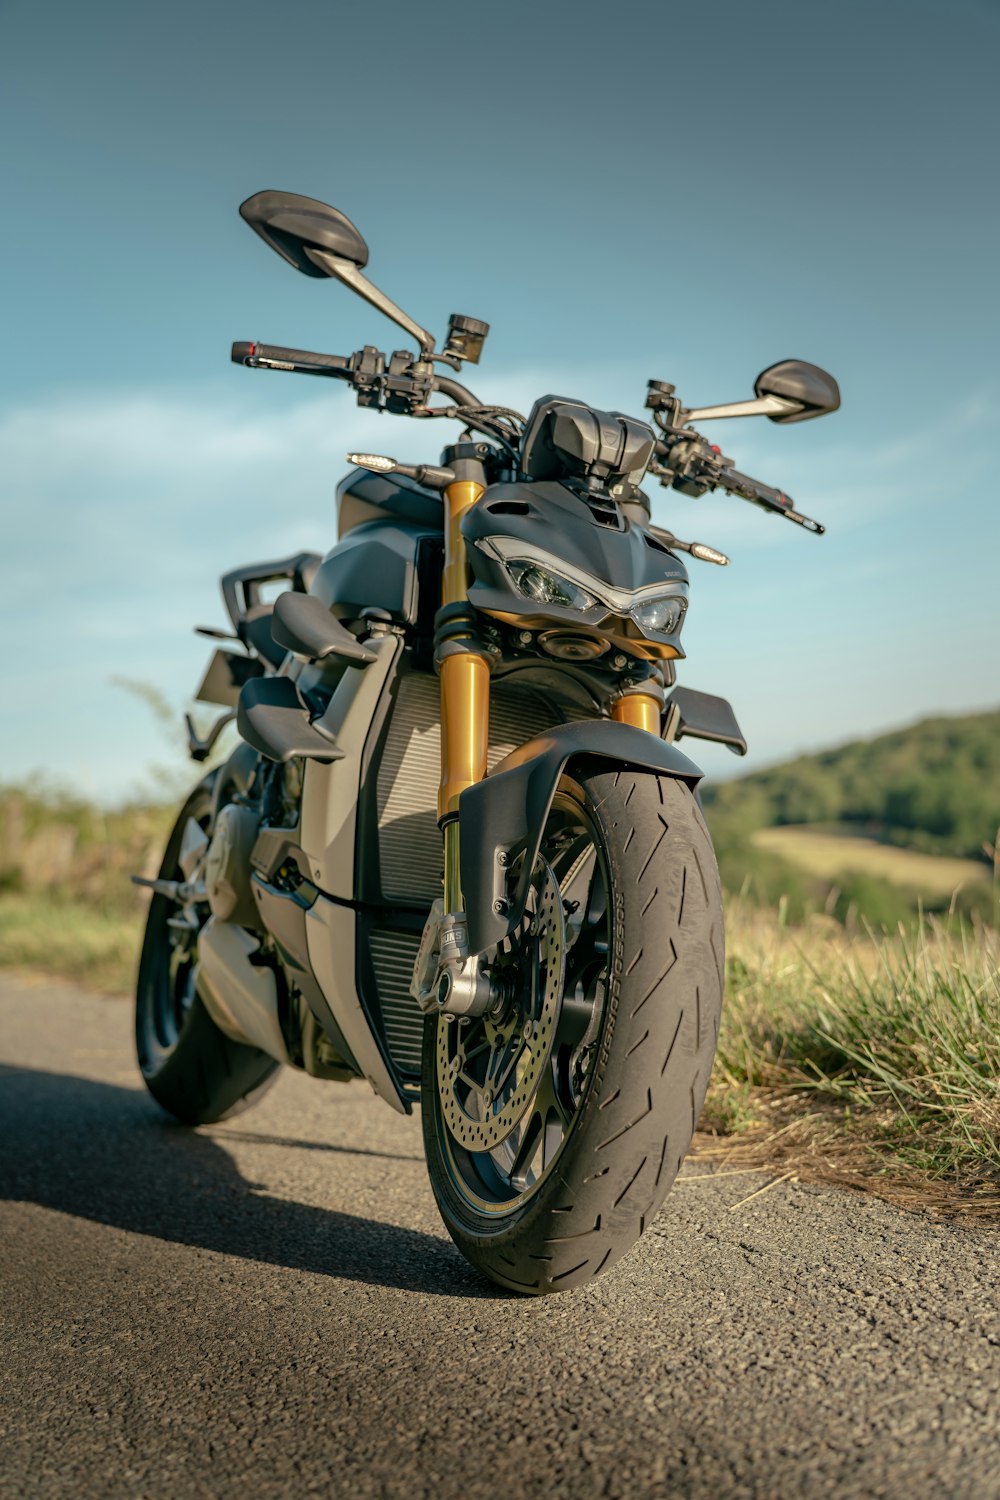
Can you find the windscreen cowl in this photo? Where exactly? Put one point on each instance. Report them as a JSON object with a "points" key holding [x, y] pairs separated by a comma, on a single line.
{"points": [[567, 439]]}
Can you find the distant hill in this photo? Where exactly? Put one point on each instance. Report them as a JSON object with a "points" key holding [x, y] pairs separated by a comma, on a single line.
{"points": [[934, 787]]}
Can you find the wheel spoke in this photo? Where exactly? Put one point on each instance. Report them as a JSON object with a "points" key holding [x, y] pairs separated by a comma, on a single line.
{"points": [[526, 1150]]}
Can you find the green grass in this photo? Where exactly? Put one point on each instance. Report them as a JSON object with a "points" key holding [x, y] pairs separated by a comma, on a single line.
{"points": [[882, 1052], [67, 905], [73, 939]]}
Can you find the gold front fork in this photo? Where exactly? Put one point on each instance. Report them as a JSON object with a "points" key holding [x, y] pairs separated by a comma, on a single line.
{"points": [[642, 710], [465, 694]]}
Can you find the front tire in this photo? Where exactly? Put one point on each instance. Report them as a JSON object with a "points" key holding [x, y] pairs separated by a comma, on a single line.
{"points": [[191, 1068], [630, 1042]]}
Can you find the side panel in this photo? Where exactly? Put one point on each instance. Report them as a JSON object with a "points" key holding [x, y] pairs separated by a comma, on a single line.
{"points": [[505, 814], [331, 936], [330, 792], [328, 836]]}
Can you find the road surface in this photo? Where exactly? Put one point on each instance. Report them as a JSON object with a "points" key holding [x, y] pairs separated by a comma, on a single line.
{"points": [[271, 1307]]}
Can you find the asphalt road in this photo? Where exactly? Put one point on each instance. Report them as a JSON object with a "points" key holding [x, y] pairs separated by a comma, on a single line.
{"points": [[272, 1305]]}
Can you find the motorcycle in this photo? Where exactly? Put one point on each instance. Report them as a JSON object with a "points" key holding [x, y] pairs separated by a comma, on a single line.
{"points": [[458, 851]]}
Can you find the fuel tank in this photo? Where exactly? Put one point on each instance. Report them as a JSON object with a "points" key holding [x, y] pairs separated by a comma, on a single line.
{"points": [[365, 496], [389, 553]]}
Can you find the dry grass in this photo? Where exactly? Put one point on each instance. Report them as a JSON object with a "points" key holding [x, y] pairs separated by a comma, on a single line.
{"points": [[871, 1063], [51, 934]]}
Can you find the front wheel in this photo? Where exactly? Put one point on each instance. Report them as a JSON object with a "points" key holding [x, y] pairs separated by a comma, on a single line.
{"points": [[555, 1124]]}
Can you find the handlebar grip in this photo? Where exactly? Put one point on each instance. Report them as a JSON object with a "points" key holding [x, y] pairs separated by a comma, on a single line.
{"points": [[276, 357], [775, 501], [752, 489]]}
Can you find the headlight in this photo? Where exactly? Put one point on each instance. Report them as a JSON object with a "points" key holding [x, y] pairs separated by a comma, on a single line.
{"points": [[536, 582], [661, 616]]}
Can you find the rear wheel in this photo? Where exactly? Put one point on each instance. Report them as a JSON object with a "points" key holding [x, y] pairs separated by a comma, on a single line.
{"points": [[189, 1066], [555, 1124]]}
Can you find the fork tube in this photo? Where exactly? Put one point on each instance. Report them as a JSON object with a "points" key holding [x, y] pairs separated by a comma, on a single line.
{"points": [[642, 710], [465, 675]]}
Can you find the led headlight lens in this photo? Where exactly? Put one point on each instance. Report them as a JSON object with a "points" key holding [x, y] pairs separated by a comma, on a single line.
{"points": [[661, 616], [536, 582]]}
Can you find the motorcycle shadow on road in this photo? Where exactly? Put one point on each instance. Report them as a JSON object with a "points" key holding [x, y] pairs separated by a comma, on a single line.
{"points": [[100, 1152]]}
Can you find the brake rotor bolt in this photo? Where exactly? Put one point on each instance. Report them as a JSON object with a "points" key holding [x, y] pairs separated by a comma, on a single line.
{"points": [[527, 1032]]}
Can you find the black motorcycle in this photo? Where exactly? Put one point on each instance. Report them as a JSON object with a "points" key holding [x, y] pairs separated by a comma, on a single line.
{"points": [[457, 851]]}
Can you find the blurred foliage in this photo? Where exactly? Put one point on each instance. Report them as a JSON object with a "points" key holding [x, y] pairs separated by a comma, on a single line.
{"points": [[52, 840], [67, 903], [933, 787]]}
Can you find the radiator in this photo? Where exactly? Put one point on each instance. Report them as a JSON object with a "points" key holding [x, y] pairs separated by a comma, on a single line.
{"points": [[409, 842], [408, 837], [393, 957]]}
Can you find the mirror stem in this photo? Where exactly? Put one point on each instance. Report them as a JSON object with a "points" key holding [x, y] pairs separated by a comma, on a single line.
{"points": [[762, 406], [347, 272]]}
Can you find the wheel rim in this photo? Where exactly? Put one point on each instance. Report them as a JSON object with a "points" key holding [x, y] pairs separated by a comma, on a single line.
{"points": [[511, 1084], [167, 987]]}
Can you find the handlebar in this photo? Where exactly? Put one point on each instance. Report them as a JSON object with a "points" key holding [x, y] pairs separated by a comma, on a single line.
{"points": [[275, 357], [775, 501], [397, 383], [405, 388]]}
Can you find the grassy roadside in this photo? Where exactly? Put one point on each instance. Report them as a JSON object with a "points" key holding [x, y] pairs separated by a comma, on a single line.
{"points": [[872, 1062], [70, 939], [67, 905]]}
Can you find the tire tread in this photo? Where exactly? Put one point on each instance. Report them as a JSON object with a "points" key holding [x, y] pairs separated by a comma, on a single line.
{"points": [[654, 1057]]}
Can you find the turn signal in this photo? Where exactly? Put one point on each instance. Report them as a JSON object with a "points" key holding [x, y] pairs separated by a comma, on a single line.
{"points": [[709, 554], [373, 461]]}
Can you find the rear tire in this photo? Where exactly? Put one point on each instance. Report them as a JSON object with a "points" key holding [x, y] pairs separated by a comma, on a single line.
{"points": [[656, 1009], [191, 1068]]}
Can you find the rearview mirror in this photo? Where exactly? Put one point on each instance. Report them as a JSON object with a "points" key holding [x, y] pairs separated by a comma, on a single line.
{"points": [[297, 228], [790, 391], [812, 390], [321, 241]]}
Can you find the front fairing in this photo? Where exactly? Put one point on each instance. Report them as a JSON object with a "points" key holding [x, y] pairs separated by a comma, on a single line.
{"points": [[589, 541]]}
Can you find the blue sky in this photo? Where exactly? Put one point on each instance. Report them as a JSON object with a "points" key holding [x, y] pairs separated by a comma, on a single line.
{"points": [[623, 192]]}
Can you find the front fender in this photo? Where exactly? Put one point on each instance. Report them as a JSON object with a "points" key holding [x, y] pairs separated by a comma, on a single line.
{"points": [[506, 813]]}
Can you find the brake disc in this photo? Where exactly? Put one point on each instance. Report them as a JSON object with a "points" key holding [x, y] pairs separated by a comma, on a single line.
{"points": [[489, 1069]]}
